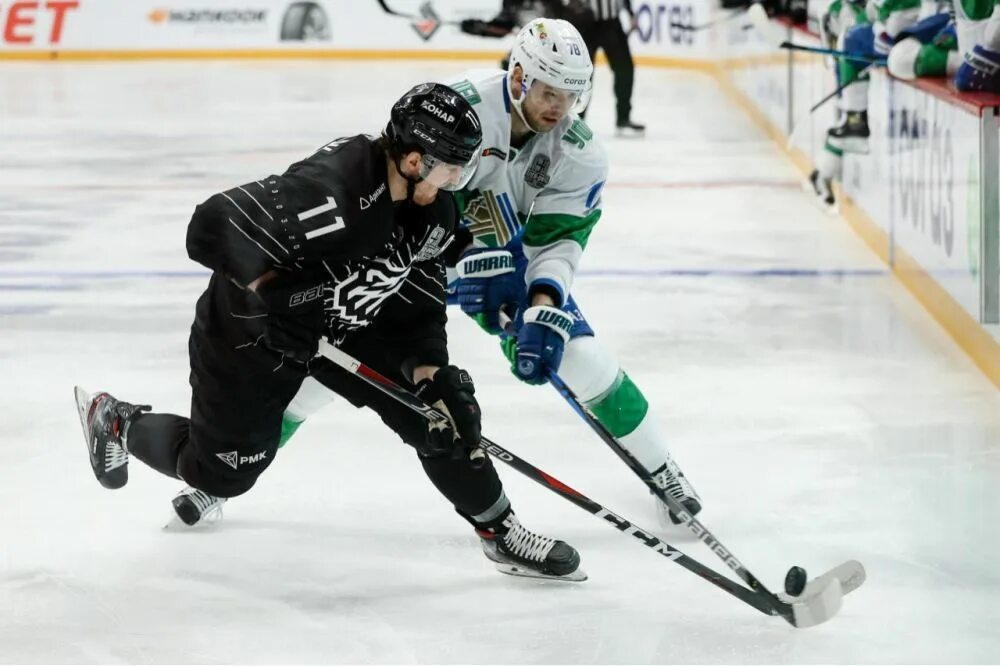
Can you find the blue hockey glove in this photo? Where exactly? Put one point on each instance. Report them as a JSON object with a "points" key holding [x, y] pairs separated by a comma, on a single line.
{"points": [[980, 71], [488, 281], [540, 343]]}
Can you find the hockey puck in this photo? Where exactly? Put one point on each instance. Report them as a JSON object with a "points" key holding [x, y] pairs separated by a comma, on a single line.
{"points": [[795, 581]]}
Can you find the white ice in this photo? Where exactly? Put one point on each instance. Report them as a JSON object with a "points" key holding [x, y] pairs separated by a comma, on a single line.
{"points": [[823, 416]]}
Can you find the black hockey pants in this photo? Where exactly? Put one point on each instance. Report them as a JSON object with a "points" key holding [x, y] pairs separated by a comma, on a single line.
{"points": [[238, 398], [610, 36]]}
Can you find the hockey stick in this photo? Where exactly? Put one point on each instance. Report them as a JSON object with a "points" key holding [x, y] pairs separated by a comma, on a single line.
{"points": [[826, 602], [812, 607], [707, 24], [428, 13], [803, 115], [760, 21]]}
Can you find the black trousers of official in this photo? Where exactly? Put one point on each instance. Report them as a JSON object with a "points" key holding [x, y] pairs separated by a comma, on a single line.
{"points": [[239, 395], [610, 36]]}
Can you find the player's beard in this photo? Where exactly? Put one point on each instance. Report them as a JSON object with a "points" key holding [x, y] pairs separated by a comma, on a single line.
{"points": [[538, 123]]}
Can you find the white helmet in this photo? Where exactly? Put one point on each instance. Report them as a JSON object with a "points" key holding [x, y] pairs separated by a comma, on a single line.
{"points": [[553, 52]]}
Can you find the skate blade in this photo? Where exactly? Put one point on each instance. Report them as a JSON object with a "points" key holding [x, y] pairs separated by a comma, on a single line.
{"points": [[208, 521], [577, 576], [830, 209], [630, 134], [82, 398], [175, 524]]}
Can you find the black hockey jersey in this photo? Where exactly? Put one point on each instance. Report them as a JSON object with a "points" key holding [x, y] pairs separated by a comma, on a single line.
{"points": [[330, 220]]}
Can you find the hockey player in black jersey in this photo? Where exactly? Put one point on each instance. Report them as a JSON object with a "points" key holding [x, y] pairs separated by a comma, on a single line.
{"points": [[347, 244]]}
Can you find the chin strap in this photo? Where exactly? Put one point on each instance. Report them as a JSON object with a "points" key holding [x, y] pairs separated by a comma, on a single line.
{"points": [[411, 182]]}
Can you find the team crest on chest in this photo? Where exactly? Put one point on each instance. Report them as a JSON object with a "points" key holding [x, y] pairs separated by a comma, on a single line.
{"points": [[492, 219], [537, 175]]}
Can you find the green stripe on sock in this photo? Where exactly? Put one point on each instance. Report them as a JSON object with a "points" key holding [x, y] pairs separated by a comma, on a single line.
{"points": [[288, 428], [833, 149], [621, 409]]}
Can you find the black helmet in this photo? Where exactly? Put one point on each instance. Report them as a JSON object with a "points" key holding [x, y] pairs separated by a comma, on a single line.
{"points": [[436, 121]]}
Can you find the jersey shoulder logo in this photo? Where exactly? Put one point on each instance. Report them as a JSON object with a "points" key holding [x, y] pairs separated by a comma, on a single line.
{"points": [[579, 134], [468, 91]]}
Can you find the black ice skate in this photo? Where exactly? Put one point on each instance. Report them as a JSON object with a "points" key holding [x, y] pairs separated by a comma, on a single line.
{"points": [[518, 552], [105, 424], [822, 190], [195, 508], [671, 479], [851, 135], [627, 128]]}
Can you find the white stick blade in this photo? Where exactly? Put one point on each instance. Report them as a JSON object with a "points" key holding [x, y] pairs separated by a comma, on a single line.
{"points": [[769, 32], [817, 605]]}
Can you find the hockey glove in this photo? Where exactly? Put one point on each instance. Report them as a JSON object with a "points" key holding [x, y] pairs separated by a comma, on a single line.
{"points": [[451, 392], [294, 319], [540, 343], [488, 282]]}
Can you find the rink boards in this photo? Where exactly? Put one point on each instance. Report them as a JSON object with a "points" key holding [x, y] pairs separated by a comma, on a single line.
{"points": [[926, 197]]}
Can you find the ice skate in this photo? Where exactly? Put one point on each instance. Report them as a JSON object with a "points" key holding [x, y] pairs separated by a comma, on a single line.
{"points": [[822, 191], [671, 479], [519, 552], [105, 423], [627, 128], [195, 508], [851, 136]]}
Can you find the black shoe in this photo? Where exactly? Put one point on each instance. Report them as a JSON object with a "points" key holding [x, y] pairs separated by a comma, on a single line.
{"points": [[519, 552], [852, 135], [629, 128], [105, 424]]}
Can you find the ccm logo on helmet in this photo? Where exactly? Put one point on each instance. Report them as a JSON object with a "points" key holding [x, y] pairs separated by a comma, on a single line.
{"points": [[440, 113], [575, 82]]}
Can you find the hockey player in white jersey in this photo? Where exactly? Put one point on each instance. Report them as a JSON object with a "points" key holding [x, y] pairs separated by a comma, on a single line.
{"points": [[529, 211], [527, 214]]}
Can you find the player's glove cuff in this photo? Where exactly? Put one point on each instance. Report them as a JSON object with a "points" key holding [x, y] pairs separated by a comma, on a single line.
{"points": [[485, 264], [550, 317]]}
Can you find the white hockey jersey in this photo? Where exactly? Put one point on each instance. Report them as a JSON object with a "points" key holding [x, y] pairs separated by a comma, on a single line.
{"points": [[546, 194]]}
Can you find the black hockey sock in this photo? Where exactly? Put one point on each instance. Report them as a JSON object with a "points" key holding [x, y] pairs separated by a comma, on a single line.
{"points": [[476, 494], [156, 439]]}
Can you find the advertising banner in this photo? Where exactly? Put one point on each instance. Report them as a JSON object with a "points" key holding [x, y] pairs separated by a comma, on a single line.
{"points": [[662, 29], [935, 189]]}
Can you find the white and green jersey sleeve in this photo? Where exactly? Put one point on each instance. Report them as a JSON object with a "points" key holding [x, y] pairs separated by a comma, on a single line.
{"points": [[545, 195]]}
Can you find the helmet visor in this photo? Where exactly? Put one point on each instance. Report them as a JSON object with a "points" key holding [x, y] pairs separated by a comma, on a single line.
{"points": [[558, 101], [446, 176]]}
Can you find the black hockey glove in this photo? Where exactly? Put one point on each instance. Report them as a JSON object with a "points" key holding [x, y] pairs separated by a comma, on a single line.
{"points": [[451, 392], [295, 320]]}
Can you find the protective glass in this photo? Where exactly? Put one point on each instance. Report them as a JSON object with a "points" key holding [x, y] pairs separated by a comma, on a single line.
{"points": [[445, 176], [560, 100]]}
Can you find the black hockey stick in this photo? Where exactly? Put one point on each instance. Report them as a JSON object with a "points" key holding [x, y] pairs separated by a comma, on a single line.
{"points": [[427, 13], [830, 597], [760, 21], [836, 91], [806, 610]]}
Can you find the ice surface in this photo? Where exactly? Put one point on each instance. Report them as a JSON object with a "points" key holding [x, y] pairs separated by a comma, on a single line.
{"points": [[819, 410]]}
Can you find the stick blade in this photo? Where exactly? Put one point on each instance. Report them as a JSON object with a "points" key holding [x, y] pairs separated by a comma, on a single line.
{"points": [[770, 33], [817, 605], [823, 596]]}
